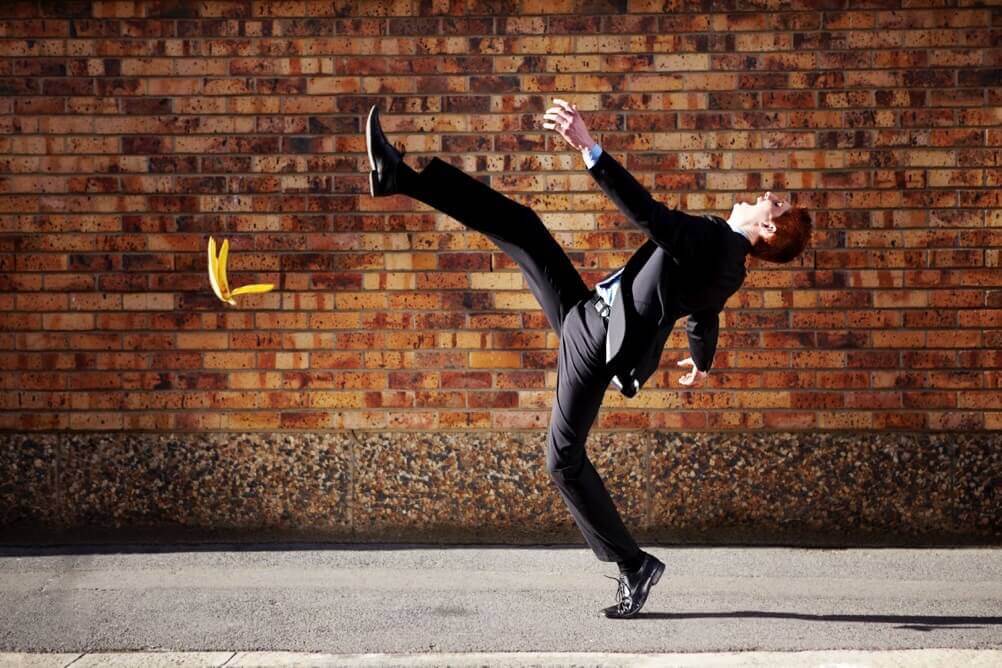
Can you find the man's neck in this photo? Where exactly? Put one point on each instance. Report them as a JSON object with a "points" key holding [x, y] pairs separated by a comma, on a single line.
{"points": [[740, 230]]}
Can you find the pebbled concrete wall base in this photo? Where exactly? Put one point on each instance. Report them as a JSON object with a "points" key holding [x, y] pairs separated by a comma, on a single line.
{"points": [[798, 488]]}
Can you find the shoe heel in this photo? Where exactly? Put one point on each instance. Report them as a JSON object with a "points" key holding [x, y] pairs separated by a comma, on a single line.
{"points": [[372, 183], [657, 574]]}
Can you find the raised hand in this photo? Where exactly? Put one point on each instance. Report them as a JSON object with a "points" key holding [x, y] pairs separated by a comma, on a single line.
{"points": [[695, 377], [565, 119]]}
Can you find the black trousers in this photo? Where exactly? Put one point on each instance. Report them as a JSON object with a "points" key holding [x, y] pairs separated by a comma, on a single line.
{"points": [[582, 375]]}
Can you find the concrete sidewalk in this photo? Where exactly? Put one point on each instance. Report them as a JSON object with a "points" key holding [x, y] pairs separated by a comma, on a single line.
{"points": [[332, 604]]}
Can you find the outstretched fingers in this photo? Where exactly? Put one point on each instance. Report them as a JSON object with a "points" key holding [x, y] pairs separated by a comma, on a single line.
{"points": [[556, 114], [565, 104], [565, 119]]}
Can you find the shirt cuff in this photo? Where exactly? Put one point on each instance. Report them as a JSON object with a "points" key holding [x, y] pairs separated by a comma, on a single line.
{"points": [[590, 155]]}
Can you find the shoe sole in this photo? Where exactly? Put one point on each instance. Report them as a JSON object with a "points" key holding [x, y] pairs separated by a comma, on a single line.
{"points": [[368, 149], [368, 137]]}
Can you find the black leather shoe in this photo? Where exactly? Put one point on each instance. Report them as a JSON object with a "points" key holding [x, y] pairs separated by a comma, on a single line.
{"points": [[385, 160], [634, 588]]}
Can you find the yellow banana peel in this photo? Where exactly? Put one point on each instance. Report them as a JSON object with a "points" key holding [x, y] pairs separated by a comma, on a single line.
{"points": [[217, 276]]}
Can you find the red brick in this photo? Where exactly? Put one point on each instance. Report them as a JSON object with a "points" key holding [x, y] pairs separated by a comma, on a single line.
{"points": [[131, 131]]}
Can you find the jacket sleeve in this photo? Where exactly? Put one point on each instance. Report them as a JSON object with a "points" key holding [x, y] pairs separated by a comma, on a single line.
{"points": [[701, 328], [689, 239]]}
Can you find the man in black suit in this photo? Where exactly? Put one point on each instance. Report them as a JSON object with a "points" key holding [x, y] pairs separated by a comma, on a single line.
{"points": [[690, 265]]}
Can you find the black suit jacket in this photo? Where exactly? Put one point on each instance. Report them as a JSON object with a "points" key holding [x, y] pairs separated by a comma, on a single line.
{"points": [[699, 262]]}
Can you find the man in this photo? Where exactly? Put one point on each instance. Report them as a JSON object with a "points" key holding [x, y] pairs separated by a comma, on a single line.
{"points": [[690, 265]]}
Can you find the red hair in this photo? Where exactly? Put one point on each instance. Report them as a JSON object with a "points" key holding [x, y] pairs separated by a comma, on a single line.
{"points": [[793, 232]]}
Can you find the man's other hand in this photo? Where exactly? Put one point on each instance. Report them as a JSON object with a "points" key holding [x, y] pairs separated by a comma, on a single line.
{"points": [[565, 119], [695, 377]]}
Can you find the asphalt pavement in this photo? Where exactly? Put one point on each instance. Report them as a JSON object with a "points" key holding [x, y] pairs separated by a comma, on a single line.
{"points": [[321, 604]]}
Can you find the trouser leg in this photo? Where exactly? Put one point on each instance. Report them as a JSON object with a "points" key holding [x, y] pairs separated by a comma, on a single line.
{"points": [[582, 376], [582, 379], [514, 228]]}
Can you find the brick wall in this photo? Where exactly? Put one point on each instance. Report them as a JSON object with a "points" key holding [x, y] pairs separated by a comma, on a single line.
{"points": [[132, 131]]}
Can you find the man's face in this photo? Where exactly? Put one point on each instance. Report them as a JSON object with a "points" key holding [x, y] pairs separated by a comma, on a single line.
{"points": [[767, 207]]}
